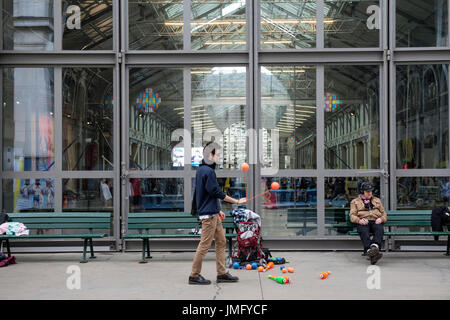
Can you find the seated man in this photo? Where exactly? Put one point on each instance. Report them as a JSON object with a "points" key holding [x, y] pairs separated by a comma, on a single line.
{"points": [[367, 211]]}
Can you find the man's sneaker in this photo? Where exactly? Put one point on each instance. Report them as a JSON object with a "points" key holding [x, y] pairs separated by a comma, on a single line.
{"points": [[374, 254], [198, 280], [227, 278], [375, 259], [373, 251]]}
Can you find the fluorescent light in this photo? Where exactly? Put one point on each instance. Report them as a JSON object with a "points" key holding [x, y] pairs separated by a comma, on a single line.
{"points": [[278, 42], [302, 106], [209, 43]]}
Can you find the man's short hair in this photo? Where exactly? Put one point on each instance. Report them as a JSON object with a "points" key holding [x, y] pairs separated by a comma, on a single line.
{"points": [[210, 147]]}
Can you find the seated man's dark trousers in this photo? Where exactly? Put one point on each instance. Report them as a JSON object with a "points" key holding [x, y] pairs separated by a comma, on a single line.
{"points": [[377, 230]]}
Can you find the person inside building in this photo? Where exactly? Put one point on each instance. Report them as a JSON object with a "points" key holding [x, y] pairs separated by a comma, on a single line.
{"points": [[206, 204], [368, 213]]}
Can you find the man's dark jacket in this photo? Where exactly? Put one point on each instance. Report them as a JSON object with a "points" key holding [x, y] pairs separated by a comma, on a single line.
{"points": [[207, 191], [440, 217]]}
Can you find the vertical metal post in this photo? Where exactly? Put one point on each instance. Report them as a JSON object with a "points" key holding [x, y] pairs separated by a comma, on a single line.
{"points": [[186, 25], [320, 121], [254, 18], [57, 25], [116, 126], [320, 34], [123, 106], [384, 113], [392, 109], [58, 136], [187, 143]]}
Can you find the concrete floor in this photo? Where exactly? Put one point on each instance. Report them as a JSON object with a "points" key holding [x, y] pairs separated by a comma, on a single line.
{"points": [[403, 275]]}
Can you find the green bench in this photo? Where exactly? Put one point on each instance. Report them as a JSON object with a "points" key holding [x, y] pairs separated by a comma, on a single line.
{"points": [[406, 218], [158, 225], [62, 220]]}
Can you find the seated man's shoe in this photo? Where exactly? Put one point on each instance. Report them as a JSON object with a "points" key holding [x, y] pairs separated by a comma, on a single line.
{"points": [[373, 251], [227, 278], [199, 280], [374, 259], [374, 254]]}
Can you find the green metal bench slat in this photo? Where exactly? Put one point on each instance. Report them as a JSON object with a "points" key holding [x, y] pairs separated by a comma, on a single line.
{"points": [[50, 236], [68, 226], [26, 221], [409, 233], [60, 214], [140, 236]]}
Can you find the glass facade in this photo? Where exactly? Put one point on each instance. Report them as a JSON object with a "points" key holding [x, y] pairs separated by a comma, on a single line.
{"points": [[352, 117], [107, 105], [88, 24], [28, 119]]}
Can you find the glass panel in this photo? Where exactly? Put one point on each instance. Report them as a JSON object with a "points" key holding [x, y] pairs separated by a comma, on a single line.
{"points": [[422, 23], [422, 193], [218, 24], [28, 121], [156, 194], [88, 24], [27, 25], [88, 119], [28, 195], [218, 113], [288, 104], [156, 118], [352, 24], [339, 192], [422, 116], [88, 195], [352, 117], [288, 24], [290, 210], [155, 24]]}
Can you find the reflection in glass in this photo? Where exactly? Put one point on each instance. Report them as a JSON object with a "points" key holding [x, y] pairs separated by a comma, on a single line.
{"points": [[156, 118], [423, 192], [339, 192], [218, 24], [28, 107], [422, 23], [290, 210], [88, 194], [352, 117], [288, 24], [352, 24], [27, 25], [155, 24], [218, 112], [28, 195], [422, 116], [88, 119], [88, 24], [288, 112], [156, 194]]}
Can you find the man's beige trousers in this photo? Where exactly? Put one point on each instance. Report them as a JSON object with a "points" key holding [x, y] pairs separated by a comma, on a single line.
{"points": [[212, 229]]}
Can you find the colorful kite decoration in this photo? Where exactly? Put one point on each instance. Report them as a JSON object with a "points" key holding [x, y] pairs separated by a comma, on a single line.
{"points": [[291, 142], [109, 102], [332, 102], [148, 100]]}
